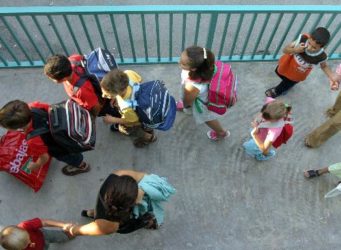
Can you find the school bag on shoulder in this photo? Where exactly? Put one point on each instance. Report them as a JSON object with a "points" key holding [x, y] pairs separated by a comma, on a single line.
{"points": [[70, 125], [286, 133], [154, 106], [94, 66], [222, 93], [14, 159]]}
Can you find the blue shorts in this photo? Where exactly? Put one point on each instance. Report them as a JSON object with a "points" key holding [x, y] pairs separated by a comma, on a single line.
{"points": [[252, 149]]}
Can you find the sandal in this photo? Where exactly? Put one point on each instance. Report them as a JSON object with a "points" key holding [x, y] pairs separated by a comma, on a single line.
{"points": [[179, 105], [149, 221], [311, 174], [271, 92], [84, 213], [72, 170], [141, 142], [215, 137]]}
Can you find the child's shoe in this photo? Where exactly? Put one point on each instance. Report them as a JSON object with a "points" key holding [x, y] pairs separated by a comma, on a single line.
{"points": [[179, 105], [213, 135]]}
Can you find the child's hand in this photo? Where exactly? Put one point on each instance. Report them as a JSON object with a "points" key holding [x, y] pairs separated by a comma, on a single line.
{"points": [[108, 119], [33, 166], [334, 85], [67, 228], [300, 48]]}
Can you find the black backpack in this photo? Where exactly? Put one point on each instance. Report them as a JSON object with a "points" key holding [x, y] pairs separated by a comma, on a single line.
{"points": [[71, 127]]}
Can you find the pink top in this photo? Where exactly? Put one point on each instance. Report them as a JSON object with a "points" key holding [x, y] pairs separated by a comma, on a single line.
{"points": [[272, 133]]}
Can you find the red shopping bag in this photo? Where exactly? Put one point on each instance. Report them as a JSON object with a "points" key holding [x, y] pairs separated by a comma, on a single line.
{"points": [[14, 160]]}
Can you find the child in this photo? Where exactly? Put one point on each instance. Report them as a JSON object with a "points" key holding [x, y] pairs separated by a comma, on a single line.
{"points": [[63, 70], [266, 128], [115, 85], [299, 59], [31, 235], [17, 115], [330, 127], [198, 68], [127, 201]]}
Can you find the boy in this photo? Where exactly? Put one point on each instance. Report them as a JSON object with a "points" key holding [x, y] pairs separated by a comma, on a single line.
{"points": [[17, 115], [333, 125], [63, 70], [31, 235], [115, 85], [298, 60]]}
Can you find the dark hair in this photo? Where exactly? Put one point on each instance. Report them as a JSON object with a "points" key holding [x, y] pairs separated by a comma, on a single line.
{"points": [[115, 82], [15, 114], [321, 35], [193, 58], [58, 67], [120, 197]]}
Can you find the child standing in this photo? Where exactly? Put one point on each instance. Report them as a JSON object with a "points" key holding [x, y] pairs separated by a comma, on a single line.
{"points": [[267, 127], [115, 85], [299, 59], [31, 235], [198, 68]]}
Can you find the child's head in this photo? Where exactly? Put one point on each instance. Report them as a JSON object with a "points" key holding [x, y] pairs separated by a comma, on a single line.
{"points": [[318, 39], [114, 83], [15, 115], [57, 68], [120, 196], [199, 61], [274, 111], [14, 238]]}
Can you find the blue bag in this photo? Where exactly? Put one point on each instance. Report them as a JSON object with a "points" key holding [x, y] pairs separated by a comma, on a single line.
{"points": [[96, 65], [154, 106]]}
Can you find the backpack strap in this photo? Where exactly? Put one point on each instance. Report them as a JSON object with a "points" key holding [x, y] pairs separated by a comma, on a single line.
{"points": [[38, 131]]}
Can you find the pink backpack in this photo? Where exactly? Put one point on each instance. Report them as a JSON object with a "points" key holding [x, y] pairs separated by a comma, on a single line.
{"points": [[222, 92]]}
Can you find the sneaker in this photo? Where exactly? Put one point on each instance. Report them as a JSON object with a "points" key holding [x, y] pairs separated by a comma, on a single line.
{"points": [[179, 105], [213, 135], [114, 127]]}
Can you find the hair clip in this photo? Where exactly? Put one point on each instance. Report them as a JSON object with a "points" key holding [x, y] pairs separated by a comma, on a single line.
{"points": [[205, 54]]}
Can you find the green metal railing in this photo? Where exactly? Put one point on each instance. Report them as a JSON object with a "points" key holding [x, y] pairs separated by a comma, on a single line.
{"points": [[158, 34]]}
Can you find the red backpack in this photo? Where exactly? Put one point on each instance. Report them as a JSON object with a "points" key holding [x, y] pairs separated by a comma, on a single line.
{"points": [[222, 92], [285, 135], [14, 160]]}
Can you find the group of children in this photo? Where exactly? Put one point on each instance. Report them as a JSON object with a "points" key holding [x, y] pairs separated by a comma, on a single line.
{"points": [[115, 203]]}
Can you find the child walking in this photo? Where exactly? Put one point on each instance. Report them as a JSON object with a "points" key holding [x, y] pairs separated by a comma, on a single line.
{"points": [[267, 127], [298, 60], [32, 235], [115, 86], [198, 68]]}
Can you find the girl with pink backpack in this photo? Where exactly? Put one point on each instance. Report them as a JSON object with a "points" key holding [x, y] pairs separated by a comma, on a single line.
{"points": [[198, 69]]}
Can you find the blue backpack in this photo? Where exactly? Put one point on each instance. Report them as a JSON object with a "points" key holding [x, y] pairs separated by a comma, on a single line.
{"points": [[154, 106], [95, 65]]}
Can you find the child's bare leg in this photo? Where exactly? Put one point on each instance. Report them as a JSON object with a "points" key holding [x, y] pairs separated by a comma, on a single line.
{"points": [[215, 125], [314, 173]]}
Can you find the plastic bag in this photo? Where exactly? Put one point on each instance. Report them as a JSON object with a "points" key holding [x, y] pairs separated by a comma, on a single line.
{"points": [[334, 192], [14, 160]]}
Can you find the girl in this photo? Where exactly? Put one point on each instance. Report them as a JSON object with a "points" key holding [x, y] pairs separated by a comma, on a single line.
{"points": [[198, 68], [267, 126], [127, 201]]}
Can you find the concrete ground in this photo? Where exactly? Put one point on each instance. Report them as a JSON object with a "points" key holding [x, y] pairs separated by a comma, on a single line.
{"points": [[224, 199]]}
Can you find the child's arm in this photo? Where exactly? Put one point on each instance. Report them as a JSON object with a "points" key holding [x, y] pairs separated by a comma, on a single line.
{"points": [[108, 119], [42, 159], [263, 146], [95, 228], [54, 223], [334, 84], [292, 49], [190, 93]]}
